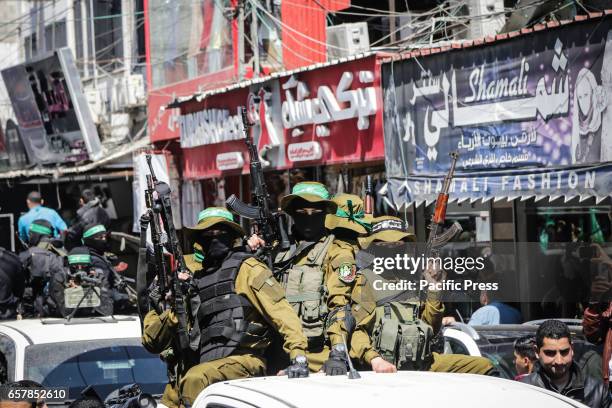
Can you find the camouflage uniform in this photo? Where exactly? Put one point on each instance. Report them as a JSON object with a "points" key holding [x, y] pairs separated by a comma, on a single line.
{"points": [[364, 305], [236, 303]]}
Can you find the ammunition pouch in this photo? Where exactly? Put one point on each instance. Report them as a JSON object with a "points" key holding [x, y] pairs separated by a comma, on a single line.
{"points": [[400, 338]]}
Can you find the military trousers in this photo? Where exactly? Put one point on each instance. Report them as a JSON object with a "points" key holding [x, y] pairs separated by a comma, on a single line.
{"points": [[170, 397], [459, 363], [229, 368]]}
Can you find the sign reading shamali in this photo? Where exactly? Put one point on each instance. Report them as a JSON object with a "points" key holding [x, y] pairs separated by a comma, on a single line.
{"points": [[538, 100]]}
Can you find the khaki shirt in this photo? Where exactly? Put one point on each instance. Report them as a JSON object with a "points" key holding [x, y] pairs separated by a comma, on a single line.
{"points": [[256, 283], [340, 275], [364, 308]]}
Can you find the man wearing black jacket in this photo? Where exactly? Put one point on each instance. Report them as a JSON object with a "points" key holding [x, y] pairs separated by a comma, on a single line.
{"points": [[556, 370], [91, 212]]}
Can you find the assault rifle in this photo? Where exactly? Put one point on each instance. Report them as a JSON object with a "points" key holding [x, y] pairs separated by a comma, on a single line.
{"points": [[159, 207], [436, 240], [270, 225]]}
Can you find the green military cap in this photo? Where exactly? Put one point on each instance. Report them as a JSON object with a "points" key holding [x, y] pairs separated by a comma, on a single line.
{"points": [[194, 261], [388, 229], [308, 192], [349, 214], [214, 216]]}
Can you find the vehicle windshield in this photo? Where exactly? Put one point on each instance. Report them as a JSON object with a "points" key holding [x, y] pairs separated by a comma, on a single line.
{"points": [[104, 364]]}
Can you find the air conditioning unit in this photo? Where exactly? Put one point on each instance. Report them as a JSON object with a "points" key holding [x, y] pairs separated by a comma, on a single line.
{"points": [[486, 17], [347, 39]]}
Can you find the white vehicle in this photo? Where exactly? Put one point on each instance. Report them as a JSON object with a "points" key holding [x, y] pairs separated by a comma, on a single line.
{"points": [[104, 352], [406, 388]]}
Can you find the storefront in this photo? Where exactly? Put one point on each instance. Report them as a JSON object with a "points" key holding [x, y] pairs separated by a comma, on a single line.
{"points": [[530, 115], [322, 122]]}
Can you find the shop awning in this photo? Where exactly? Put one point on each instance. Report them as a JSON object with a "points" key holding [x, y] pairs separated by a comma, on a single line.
{"points": [[57, 172], [566, 183]]}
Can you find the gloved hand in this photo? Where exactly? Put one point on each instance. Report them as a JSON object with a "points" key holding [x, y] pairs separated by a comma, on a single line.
{"points": [[336, 364], [298, 368]]}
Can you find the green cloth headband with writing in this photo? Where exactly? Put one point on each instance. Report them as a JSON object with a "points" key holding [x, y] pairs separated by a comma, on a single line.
{"points": [[94, 230], [79, 259], [215, 212], [314, 189], [40, 229]]}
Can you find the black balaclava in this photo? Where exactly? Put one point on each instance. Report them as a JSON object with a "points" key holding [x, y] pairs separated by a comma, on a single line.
{"points": [[216, 248], [95, 237], [309, 227]]}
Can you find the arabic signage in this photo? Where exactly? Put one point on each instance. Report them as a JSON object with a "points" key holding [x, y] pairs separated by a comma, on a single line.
{"points": [[539, 100], [306, 151], [569, 183], [229, 161], [327, 115], [53, 116]]}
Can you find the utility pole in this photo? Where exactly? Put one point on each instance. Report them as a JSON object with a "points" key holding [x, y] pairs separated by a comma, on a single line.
{"points": [[392, 21], [254, 40], [240, 39]]}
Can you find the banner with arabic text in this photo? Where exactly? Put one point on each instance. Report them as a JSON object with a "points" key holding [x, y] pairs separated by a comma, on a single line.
{"points": [[536, 101]]}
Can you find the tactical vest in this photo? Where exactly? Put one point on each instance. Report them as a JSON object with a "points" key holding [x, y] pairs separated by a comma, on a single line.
{"points": [[222, 314], [306, 292], [399, 336], [42, 263]]}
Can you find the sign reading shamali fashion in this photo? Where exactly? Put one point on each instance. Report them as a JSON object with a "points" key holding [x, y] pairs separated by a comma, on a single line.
{"points": [[530, 116], [542, 99]]}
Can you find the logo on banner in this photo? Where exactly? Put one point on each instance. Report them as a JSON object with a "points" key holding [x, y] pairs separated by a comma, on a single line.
{"points": [[229, 161], [300, 109], [305, 151]]}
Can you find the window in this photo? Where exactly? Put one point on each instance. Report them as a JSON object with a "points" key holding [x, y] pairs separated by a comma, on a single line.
{"points": [[454, 346], [55, 35], [188, 39], [107, 364], [7, 359]]}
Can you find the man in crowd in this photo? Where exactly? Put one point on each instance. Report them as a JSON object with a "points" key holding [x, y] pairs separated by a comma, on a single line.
{"points": [[374, 309], [36, 211], [556, 370], [41, 261], [227, 341], [318, 270], [91, 212], [493, 312], [524, 356], [597, 319]]}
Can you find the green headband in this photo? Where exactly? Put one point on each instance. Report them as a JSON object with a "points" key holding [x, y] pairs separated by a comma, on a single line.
{"points": [[94, 230], [314, 189], [79, 259], [40, 229], [215, 212], [353, 216]]}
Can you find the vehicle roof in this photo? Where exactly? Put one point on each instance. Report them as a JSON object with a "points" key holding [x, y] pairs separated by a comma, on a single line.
{"points": [[371, 390], [54, 330]]}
